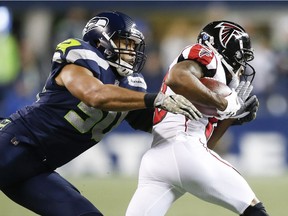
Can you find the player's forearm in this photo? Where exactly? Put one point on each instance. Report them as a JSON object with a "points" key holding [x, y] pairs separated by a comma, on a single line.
{"points": [[184, 79], [114, 98]]}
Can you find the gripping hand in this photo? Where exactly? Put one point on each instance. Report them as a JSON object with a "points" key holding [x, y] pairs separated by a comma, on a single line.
{"points": [[177, 104], [234, 103], [243, 91], [250, 111]]}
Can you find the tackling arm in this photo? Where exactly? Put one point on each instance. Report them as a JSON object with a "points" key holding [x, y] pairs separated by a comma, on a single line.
{"points": [[81, 83], [141, 119]]}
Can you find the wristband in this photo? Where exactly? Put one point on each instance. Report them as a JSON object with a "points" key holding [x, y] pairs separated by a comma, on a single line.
{"points": [[149, 99]]}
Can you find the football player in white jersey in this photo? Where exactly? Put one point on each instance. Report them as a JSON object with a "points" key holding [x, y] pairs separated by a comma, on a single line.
{"points": [[181, 158]]}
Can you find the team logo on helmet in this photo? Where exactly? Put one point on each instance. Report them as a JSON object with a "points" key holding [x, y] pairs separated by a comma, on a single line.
{"points": [[227, 31], [96, 22]]}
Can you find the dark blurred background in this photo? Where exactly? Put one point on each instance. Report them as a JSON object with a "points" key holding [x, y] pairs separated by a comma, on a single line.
{"points": [[29, 32]]}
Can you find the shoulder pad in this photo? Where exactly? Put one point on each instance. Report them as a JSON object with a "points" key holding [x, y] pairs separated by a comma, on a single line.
{"points": [[73, 50]]}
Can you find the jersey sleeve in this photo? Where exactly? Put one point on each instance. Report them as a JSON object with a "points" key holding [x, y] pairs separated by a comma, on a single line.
{"points": [[202, 55], [141, 119], [75, 51]]}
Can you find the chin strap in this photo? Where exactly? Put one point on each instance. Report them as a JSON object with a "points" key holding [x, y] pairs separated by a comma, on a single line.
{"points": [[235, 79], [122, 67]]}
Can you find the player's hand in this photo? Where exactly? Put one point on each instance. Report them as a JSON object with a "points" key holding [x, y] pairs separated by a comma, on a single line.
{"points": [[252, 106], [177, 104], [244, 90], [234, 103]]}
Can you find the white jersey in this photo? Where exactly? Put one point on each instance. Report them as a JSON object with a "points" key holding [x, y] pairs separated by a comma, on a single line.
{"points": [[180, 161], [167, 125]]}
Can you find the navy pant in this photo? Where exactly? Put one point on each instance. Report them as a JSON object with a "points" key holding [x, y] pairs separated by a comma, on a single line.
{"points": [[26, 180]]}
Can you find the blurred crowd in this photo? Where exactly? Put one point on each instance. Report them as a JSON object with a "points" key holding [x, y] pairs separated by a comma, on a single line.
{"points": [[28, 40]]}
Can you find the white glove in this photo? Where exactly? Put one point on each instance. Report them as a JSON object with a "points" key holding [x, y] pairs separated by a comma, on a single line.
{"points": [[177, 104], [249, 108], [233, 105], [244, 90]]}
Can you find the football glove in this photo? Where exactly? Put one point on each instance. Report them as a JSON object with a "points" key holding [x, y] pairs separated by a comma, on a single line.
{"points": [[244, 90], [233, 105], [177, 104], [250, 111]]}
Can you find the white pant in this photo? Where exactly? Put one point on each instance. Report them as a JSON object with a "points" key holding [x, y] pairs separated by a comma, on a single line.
{"points": [[184, 164]]}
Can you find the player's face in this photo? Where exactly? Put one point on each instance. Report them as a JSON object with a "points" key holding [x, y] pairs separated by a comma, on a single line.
{"points": [[127, 48]]}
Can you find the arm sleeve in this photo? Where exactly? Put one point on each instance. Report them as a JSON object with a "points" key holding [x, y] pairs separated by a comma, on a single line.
{"points": [[141, 119]]}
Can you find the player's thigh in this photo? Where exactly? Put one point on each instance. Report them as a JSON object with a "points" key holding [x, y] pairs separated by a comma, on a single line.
{"points": [[207, 176], [159, 164], [152, 198], [156, 191], [50, 194], [18, 161]]}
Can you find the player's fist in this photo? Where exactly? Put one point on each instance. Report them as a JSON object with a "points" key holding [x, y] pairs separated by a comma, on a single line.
{"points": [[234, 103]]}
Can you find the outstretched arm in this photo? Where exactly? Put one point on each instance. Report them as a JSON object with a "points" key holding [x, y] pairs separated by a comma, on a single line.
{"points": [[83, 85]]}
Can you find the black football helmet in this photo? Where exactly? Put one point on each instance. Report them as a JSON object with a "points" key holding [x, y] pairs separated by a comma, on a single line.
{"points": [[232, 43], [105, 27]]}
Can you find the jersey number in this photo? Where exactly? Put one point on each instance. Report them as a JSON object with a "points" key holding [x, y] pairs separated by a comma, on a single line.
{"points": [[98, 122]]}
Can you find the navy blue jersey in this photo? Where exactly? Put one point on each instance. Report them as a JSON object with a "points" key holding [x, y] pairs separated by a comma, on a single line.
{"points": [[60, 124]]}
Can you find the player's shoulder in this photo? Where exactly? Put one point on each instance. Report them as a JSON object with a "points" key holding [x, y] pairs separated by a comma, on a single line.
{"points": [[71, 44], [199, 53], [75, 47], [75, 50]]}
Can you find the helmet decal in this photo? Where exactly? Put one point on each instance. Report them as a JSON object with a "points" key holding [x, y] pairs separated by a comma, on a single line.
{"points": [[227, 31], [101, 22]]}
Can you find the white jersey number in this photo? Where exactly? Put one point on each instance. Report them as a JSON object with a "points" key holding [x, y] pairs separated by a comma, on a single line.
{"points": [[99, 122]]}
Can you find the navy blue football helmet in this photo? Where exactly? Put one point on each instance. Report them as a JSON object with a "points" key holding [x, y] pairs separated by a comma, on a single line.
{"points": [[232, 43], [103, 30]]}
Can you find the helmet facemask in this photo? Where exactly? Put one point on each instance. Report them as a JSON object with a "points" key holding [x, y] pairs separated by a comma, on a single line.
{"points": [[237, 55], [126, 53]]}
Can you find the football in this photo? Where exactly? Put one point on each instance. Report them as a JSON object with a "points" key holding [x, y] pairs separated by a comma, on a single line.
{"points": [[217, 87]]}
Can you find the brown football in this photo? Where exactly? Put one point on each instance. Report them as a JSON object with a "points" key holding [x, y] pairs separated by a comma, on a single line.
{"points": [[217, 87]]}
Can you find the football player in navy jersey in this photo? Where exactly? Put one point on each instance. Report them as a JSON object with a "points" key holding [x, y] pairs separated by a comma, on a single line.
{"points": [[94, 84], [181, 159]]}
